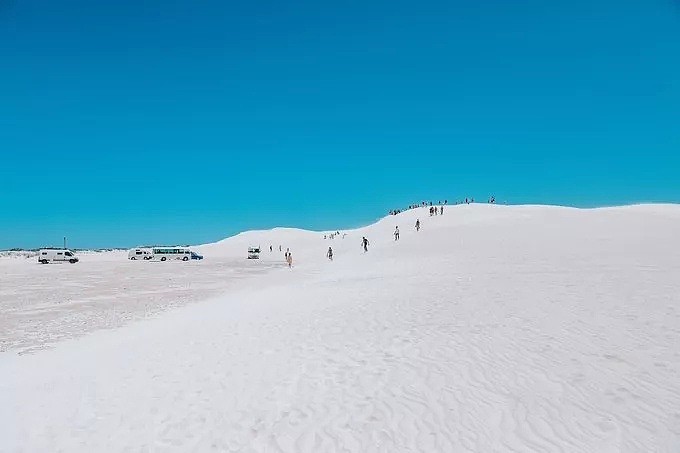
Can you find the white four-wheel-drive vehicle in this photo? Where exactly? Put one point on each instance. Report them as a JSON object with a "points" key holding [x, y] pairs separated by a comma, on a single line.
{"points": [[140, 254], [46, 256], [253, 253]]}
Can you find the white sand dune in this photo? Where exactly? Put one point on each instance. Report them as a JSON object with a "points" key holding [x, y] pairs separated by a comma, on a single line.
{"points": [[493, 329]]}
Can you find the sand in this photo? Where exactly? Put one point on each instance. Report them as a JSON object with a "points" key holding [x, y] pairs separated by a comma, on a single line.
{"points": [[492, 329]]}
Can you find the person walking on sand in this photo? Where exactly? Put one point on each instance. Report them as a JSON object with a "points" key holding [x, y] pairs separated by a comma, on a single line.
{"points": [[364, 244], [289, 259], [418, 225], [441, 210], [329, 254], [396, 234]]}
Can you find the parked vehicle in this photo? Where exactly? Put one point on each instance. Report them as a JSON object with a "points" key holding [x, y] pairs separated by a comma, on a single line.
{"points": [[196, 256], [170, 253], [253, 253], [140, 254], [46, 256]]}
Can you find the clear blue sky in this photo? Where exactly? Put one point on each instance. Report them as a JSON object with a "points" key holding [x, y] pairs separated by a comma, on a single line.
{"points": [[130, 122]]}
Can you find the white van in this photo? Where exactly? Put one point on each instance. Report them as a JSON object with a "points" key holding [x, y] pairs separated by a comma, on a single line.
{"points": [[170, 253], [46, 256], [140, 254]]}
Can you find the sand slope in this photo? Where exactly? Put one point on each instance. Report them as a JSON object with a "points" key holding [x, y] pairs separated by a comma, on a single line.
{"points": [[493, 329]]}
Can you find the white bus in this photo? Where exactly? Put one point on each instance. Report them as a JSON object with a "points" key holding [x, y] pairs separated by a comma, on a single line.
{"points": [[170, 253]]}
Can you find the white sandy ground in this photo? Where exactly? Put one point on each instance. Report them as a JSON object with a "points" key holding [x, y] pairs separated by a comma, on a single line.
{"points": [[494, 329], [40, 305]]}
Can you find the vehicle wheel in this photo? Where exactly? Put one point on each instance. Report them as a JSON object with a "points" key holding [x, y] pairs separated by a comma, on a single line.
{"points": [[163, 259], [133, 258], [72, 261], [185, 259], [43, 261]]}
